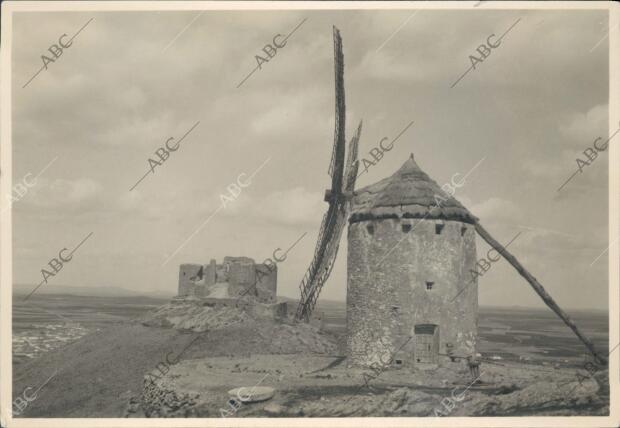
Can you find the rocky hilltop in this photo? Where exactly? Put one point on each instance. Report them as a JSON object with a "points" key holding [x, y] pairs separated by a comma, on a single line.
{"points": [[309, 377], [123, 371]]}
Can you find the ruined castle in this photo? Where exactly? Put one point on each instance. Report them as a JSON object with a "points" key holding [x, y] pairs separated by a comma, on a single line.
{"points": [[408, 257], [236, 276]]}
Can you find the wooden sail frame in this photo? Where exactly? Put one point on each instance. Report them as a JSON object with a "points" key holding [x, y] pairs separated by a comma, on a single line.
{"points": [[343, 180]]}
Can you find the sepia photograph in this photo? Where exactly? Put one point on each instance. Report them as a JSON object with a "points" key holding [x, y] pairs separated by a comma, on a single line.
{"points": [[309, 214]]}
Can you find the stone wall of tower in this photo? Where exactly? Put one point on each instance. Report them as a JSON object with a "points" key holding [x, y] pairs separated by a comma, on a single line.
{"points": [[387, 274], [241, 274], [190, 275], [267, 282]]}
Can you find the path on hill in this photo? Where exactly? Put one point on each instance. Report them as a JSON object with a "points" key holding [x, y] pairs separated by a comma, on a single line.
{"points": [[97, 374]]}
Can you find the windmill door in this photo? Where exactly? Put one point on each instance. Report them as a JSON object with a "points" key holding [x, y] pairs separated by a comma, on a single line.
{"points": [[426, 343]]}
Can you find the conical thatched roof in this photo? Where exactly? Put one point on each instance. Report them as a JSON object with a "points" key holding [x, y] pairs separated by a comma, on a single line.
{"points": [[408, 193]]}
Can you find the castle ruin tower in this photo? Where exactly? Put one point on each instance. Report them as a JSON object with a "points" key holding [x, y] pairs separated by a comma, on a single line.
{"points": [[411, 250]]}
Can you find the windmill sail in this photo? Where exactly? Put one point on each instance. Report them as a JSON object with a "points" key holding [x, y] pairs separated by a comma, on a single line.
{"points": [[335, 218], [337, 162]]}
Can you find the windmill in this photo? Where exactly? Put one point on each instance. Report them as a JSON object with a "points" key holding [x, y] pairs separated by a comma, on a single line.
{"points": [[343, 183], [339, 199]]}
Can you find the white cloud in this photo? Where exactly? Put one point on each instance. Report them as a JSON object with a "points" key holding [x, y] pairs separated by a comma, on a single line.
{"points": [[497, 210], [586, 127], [135, 203], [384, 66], [296, 206], [64, 194], [287, 115]]}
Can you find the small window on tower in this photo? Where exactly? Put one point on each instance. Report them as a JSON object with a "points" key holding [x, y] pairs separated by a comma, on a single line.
{"points": [[463, 230], [429, 285], [438, 228], [406, 228], [370, 228]]}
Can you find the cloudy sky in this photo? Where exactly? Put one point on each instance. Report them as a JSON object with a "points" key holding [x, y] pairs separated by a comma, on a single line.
{"points": [[132, 80]]}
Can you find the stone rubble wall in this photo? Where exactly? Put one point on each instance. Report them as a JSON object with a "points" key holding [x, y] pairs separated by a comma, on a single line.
{"points": [[158, 401]]}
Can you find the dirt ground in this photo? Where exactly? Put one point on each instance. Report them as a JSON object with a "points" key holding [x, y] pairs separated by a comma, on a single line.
{"points": [[103, 375], [322, 386], [99, 373]]}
